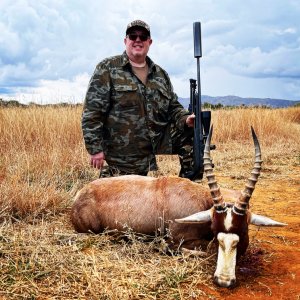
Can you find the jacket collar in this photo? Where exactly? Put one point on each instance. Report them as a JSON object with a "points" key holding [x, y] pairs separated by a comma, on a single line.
{"points": [[126, 63]]}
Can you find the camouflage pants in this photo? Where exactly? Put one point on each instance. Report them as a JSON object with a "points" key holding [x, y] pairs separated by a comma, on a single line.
{"points": [[182, 145], [112, 171]]}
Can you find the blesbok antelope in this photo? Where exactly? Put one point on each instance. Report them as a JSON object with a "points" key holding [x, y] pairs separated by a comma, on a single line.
{"points": [[144, 203]]}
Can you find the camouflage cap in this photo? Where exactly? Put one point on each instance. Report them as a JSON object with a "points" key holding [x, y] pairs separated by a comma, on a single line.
{"points": [[138, 23]]}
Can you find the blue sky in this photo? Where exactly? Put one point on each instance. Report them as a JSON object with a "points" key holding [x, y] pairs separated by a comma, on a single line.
{"points": [[49, 48]]}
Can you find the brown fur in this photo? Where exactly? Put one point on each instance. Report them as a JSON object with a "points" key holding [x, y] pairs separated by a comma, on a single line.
{"points": [[141, 203], [239, 227]]}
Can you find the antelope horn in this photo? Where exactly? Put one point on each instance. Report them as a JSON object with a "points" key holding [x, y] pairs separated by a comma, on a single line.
{"points": [[219, 203], [241, 205]]}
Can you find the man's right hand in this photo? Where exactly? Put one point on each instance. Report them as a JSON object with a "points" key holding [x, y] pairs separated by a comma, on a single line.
{"points": [[97, 160]]}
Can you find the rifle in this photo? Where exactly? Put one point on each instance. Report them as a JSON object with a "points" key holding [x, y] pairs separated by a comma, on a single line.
{"points": [[202, 118]]}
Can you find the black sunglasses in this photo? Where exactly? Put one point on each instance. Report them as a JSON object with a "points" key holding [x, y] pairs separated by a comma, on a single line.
{"points": [[134, 36]]}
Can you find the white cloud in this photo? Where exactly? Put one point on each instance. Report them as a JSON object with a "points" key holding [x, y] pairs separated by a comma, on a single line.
{"points": [[54, 91], [47, 45], [253, 62], [285, 31], [223, 83]]}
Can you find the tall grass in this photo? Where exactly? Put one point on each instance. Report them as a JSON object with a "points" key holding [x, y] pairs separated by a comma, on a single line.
{"points": [[43, 160], [38, 129], [271, 125]]}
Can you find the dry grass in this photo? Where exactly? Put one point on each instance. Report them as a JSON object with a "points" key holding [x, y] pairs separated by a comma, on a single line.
{"points": [[92, 266], [42, 159], [272, 126], [43, 163]]}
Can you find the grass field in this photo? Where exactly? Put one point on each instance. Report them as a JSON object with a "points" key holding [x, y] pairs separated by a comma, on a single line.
{"points": [[43, 163]]}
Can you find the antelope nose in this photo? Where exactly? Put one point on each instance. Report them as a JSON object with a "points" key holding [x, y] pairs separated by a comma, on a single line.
{"points": [[224, 282]]}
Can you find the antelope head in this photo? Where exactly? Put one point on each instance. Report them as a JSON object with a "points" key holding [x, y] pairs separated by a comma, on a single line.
{"points": [[229, 222]]}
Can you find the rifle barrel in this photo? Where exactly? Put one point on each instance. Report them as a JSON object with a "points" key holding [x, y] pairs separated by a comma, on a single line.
{"points": [[198, 54]]}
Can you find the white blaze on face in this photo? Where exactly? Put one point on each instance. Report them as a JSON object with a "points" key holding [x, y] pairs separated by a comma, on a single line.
{"points": [[228, 220], [225, 272]]}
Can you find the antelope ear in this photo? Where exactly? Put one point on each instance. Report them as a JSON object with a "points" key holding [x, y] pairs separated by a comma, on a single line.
{"points": [[200, 217], [264, 221]]}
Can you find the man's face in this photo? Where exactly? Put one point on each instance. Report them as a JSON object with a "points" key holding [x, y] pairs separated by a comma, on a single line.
{"points": [[136, 45]]}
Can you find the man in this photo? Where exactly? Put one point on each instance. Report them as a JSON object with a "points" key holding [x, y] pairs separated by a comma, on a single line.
{"points": [[131, 112]]}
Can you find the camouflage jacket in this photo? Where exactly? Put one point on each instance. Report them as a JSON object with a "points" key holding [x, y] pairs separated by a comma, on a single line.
{"points": [[127, 119]]}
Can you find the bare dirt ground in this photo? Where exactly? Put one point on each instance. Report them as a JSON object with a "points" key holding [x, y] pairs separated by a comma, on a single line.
{"points": [[271, 268]]}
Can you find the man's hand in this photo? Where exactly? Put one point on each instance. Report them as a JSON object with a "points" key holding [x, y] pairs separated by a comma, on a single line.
{"points": [[190, 120], [97, 160]]}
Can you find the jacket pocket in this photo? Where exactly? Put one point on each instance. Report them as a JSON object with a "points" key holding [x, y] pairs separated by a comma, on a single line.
{"points": [[126, 95]]}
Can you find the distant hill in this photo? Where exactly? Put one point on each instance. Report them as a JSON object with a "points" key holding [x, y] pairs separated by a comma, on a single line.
{"points": [[224, 100], [11, 103], [238, 101]]}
